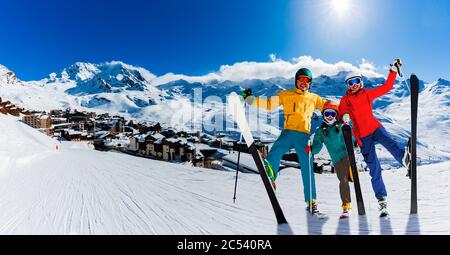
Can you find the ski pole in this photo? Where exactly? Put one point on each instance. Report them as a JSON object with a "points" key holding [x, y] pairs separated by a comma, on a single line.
{"points": [[238, 165], [406, 84], [237, 169], [310, 178], [402, 79]]}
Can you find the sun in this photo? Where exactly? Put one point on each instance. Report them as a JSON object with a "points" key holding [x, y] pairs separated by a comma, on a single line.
{"points": [[340, 6]]}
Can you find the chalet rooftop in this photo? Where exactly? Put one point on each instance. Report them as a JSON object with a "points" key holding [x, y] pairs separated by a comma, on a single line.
{"points": [[62, 125], [173, 140], [182, 140], [74, 132], [158, 136], [104, 135]]}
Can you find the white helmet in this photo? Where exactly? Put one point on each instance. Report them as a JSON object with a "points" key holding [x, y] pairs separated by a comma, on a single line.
{"points": [[351, 75]]}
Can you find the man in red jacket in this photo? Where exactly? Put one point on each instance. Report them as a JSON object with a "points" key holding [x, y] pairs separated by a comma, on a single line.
{"points": [[357, 106]]}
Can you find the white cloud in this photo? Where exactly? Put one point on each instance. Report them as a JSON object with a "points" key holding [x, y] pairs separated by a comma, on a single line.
{"points": [[366, 65], [273, 57], [275, 68]]}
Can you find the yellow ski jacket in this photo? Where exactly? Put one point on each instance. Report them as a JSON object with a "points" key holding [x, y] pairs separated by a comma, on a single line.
{"points": [[298, 108]]}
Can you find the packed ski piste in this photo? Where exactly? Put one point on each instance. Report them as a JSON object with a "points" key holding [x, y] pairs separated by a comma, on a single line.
{"points": [[346, 124]]}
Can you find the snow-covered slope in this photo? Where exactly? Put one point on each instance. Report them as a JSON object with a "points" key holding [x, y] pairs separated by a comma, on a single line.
{"points": [[76, 190], [433, 120]]}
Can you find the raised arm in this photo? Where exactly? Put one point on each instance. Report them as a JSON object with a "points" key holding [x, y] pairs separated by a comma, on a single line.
{"points": [[270, 103], [320, 102], [385, 88]]}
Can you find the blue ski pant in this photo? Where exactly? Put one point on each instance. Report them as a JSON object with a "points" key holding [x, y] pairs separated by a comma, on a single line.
{"points": [[370, 157], [293, 139]]}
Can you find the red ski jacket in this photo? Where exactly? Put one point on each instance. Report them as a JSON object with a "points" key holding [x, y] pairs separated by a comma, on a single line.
{"points": [[359, 106]]}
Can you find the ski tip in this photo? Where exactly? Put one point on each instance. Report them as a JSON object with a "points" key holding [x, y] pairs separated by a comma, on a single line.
{"points": [[384, 215], [414, 77]]}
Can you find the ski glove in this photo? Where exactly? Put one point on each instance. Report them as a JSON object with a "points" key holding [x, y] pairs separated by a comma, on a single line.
{"points": [[246, 93], [346, 119], [396, 66], [248, 96], [308, 149]]}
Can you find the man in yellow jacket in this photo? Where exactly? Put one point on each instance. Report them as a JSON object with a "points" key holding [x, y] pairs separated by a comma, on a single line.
{"points": [[298, 106]]}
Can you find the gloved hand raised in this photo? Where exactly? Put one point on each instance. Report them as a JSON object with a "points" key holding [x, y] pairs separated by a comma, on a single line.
{"points": [[397, 66], [246, 93], [248, 96]]}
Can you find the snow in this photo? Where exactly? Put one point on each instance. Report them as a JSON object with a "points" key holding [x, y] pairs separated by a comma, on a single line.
{"points": [[74, 132], [42, 191], [7, 76], [158, 136]]}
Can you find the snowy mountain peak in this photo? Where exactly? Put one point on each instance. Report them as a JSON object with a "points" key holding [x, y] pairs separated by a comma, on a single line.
{"points": [[7, 76], [443, 82], [80, 71], [108, 77]]}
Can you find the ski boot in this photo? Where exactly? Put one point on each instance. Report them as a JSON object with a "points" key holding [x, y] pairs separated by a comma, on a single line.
{"points": [[270, 173], [407, 158], [345, 211], [383, 207], [312, 208]]}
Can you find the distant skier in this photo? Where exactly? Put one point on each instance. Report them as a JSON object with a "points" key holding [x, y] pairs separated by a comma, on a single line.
{"points": [[298, 106], [330, 134], [357, 106]]}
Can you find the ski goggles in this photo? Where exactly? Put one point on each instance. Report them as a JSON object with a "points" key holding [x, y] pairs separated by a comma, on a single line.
{"points": [[354, 81], [330, 113], [304, 80]]}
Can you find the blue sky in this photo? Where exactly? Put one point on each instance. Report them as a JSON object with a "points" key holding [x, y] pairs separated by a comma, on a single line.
{"points": [[198, 36]]}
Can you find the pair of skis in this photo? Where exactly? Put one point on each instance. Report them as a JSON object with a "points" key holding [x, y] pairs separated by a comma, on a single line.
{"points": [[347, 133]]}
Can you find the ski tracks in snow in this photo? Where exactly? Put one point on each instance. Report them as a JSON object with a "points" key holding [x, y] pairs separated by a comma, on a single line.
{"points": [[80, 191]]}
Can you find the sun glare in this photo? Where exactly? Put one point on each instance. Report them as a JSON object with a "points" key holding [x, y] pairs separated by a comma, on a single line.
{"points": [[340, 6]]}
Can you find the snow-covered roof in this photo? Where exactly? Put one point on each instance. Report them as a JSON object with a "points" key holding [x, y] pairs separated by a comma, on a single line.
{"points": [[62, 125], [60, 118], [158, 136], [203, 146], [105, 134], [191, 146], [101, 132], [198, 154], [74, 132], [172, 140]]}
